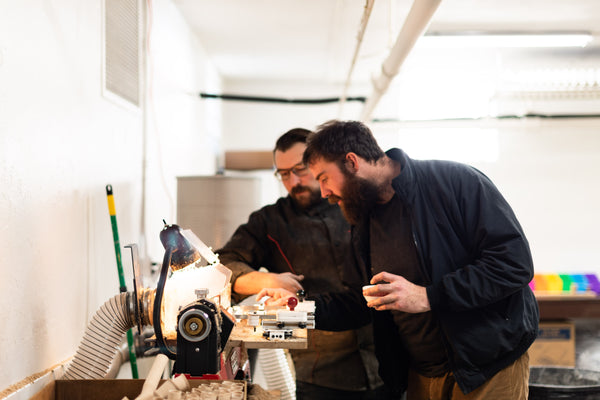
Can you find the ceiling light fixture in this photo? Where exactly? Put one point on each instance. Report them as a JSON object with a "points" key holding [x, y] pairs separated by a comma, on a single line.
{"points": [[503, 40]]}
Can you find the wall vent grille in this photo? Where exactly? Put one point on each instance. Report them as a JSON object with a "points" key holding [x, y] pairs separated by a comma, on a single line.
{"points": [[121, 49]]}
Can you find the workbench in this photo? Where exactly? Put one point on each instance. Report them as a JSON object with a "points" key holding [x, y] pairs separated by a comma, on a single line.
{"points": [[568, 307], [244, 334]]}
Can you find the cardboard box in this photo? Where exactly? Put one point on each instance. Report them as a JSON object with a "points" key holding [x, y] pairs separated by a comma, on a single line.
{"points": [[554, 346], [249, 160], [102, 389]]}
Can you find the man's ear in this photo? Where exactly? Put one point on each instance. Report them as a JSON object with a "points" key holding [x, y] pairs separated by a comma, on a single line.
{"points": [[351, 162]]}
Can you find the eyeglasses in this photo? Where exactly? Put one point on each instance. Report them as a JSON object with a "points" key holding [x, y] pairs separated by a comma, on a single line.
{"points": [[299, 170]]}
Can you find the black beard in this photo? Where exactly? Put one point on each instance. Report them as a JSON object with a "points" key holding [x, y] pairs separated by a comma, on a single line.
{"points": [[359, 196], [315, 196]]}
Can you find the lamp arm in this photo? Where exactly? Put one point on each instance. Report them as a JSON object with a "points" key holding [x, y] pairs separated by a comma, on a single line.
{"points": [[156, 314]]}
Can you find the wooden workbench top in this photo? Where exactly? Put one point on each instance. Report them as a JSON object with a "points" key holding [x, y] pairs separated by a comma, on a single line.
{"points": [[568, 307], [242, 333]]}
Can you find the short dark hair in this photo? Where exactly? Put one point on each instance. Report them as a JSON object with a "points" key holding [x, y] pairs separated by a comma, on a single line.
{"points": [[290, 138], [334, 139]]}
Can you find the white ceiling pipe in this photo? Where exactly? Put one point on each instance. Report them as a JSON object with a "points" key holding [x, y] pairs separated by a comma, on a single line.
{"points": [[359, 39], [414, 26]]}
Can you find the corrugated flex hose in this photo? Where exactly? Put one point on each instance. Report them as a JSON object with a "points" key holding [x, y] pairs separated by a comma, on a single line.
{"points": [[102, 340], [277, 373]]}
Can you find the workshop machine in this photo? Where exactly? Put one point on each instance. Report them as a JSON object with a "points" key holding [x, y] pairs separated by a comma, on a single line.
{"points": [[203, 325], [277, 322], [188, 311]]}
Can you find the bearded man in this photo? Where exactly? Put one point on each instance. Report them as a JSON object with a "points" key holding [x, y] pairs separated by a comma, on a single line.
{"points": [[304, 243], [453, 313]]}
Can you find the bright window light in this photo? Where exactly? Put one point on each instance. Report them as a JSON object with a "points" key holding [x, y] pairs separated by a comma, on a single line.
{"points": [[467, 145], [458, 89], [498, 40]]}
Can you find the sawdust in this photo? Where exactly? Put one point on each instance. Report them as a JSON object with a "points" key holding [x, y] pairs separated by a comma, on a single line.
{"points": [[256, 392], [28, 381]]}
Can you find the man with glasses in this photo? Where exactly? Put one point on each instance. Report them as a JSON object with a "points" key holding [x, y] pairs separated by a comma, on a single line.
{"points": [[304, 242]]}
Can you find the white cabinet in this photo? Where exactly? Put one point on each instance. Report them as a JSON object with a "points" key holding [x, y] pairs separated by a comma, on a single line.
{"points": [[214, 206]]}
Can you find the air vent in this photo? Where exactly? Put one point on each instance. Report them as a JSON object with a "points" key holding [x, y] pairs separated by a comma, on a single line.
{"points": [[121, 49]]}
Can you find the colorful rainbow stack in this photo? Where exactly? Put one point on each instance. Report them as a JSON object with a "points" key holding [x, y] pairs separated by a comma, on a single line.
{"points": [[567, 284]]}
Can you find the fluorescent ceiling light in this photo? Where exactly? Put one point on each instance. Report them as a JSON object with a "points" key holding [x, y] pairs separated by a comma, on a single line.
{"points": [[481, 40]]}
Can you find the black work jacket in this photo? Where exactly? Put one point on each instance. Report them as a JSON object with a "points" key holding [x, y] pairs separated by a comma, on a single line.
{"points": [[475, 254], [315, 242], [282, 237]]}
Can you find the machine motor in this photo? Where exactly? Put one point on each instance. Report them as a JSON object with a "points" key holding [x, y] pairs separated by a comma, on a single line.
{"points": [[202, 332]]}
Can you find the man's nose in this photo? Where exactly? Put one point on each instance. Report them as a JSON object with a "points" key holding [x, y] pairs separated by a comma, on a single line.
{"points": [[325, 192], [294, 180]]}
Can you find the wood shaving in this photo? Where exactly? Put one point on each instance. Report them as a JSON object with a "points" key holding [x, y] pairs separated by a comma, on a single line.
{"points": [[27, 381], [256, 392]]}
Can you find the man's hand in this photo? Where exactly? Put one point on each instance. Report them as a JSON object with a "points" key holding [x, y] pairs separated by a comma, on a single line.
{"points": [[254, 281], [285, 280], [278, 296], [399, 294]]}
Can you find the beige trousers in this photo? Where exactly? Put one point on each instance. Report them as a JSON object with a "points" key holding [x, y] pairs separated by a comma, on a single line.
{"points": [[511, 383]]}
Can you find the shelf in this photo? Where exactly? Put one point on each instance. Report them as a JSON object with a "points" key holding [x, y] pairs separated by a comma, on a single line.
{"points": [[568, 307]]}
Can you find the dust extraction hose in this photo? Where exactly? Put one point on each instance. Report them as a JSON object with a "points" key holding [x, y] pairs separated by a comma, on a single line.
{"points": [[102, 339], [276, 370]]}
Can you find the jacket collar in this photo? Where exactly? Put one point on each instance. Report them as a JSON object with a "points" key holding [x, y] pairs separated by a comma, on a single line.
{"points": [[403, 184]]}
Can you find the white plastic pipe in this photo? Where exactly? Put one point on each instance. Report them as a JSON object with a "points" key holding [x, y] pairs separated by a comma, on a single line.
{"points": [[359, 39], [179, 383], [416, 22], [153, 378]]}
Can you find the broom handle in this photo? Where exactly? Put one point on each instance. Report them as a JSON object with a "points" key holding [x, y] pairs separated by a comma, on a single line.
{"points": [[122, 285]]}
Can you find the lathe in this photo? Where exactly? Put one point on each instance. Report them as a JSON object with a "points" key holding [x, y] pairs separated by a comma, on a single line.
{"points": [[190, 313]]}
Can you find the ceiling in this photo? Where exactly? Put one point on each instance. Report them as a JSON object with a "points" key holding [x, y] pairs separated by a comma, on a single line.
{"points": [[313, 41]]}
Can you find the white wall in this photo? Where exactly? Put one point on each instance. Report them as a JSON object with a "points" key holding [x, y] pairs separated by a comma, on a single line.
{"points": [[546, 168], [61, 142], [257, 125]]}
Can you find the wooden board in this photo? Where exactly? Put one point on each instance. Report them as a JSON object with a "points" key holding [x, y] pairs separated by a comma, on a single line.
{"points": [[566, 307], [242, 333]]}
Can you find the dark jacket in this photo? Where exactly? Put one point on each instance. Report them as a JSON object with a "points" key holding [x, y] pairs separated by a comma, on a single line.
{"points": [[315, 243], [475, 254]]}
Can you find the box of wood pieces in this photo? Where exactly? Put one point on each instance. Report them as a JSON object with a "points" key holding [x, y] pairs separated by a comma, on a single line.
{"points": [[178, 388]]}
